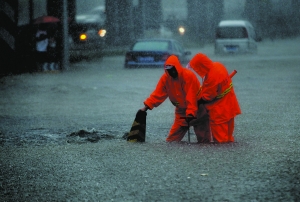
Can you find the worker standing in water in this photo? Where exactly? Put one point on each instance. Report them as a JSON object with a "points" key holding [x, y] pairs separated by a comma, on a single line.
{"points": [[182, 87], [218, 97]]}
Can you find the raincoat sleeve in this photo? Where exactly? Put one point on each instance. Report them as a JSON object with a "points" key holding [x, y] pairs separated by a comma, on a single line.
{"points": [[209, 87], [192, 89], [158, 96]]}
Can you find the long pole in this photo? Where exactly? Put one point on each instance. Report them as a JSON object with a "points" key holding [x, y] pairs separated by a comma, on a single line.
{"points": [[189, 135], [65, 30], [31, 11], [189, 139]]}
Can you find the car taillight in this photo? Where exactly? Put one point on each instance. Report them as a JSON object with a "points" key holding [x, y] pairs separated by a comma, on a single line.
{"points": [[165, 56], [102, 32], [128, 57], [83, 37]]}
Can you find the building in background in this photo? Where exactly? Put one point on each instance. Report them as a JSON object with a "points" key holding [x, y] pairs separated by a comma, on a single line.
{"points": [[127, 20], [8, 34]]}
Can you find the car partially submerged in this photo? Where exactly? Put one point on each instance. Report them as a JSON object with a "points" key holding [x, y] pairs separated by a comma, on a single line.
{"points": [[88, 33], [154, 53], [235, 36], [86, 38]]}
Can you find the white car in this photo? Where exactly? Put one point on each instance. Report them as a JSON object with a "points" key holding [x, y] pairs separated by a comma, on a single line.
{"points": [[235, 36]]}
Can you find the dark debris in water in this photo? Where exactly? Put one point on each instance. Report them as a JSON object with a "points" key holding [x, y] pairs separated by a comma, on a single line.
{"points": [[83, 136]]}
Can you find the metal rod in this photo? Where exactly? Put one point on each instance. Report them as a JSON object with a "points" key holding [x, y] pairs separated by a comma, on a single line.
{"points": [[189, 140]]}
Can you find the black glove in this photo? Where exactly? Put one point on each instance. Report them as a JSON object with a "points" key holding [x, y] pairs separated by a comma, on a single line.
{"points": [[189, 118], [202, 101]]}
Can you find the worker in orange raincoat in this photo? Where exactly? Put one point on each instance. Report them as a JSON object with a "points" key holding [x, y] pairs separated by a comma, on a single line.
{"points": [[218, 97], [182, 87]]}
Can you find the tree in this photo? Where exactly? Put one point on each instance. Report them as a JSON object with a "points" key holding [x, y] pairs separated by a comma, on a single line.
{"points": [[118, 21], [203, 16], [154, 14], [217, 7], [195, 19], [274, 20], [123, 19], [295, 8]]}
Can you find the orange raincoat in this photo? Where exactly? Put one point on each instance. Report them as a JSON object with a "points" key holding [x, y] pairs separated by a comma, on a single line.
{"points": [[183, 92], [218, 90]]}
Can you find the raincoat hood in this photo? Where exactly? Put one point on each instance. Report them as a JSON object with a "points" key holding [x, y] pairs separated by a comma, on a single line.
{"points": [[201, 64], [173, 61]]}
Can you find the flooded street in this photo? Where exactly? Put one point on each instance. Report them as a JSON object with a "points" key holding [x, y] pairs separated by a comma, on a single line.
{"points": [[39, 161]]}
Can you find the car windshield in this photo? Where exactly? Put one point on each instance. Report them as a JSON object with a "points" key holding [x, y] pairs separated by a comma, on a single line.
{"points": [[100, 12], [231, 33], [151, 45]]}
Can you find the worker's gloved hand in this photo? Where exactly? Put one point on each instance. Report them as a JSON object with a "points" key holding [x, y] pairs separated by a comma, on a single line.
{"points": [[189, 118], [202, 101]]}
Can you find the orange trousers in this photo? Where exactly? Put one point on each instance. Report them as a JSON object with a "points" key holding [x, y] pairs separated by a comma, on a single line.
{"points": [[205, 131], [223, 133], [200, 125]]}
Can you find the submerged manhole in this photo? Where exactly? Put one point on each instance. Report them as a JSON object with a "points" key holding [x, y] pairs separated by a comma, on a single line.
{"points": [[92, 135], [41, 136]]}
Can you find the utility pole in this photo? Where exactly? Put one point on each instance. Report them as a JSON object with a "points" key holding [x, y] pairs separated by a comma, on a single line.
{"points": [[65, 41], [30, 12], [143, 5]]}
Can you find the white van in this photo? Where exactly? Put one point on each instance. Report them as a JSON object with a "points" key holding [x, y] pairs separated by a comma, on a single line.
{"points": [[235, 36]]}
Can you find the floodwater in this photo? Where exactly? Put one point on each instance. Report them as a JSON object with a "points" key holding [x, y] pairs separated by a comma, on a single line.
{"points": [[41, 161]]}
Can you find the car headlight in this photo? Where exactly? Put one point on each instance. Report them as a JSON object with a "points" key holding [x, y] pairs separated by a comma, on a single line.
{"points": [[102, 32], [181, 30], [83, 37]]}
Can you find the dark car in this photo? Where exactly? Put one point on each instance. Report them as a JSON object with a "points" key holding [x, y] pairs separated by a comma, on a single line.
{"points": [[154, 53], [86, 38]]}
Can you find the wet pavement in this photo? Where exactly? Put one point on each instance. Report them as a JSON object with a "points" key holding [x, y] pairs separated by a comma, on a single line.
{"points": [[61, 135]]}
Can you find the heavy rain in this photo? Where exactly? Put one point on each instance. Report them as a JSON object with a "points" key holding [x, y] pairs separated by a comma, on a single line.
{"points": [[62, 132]]}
